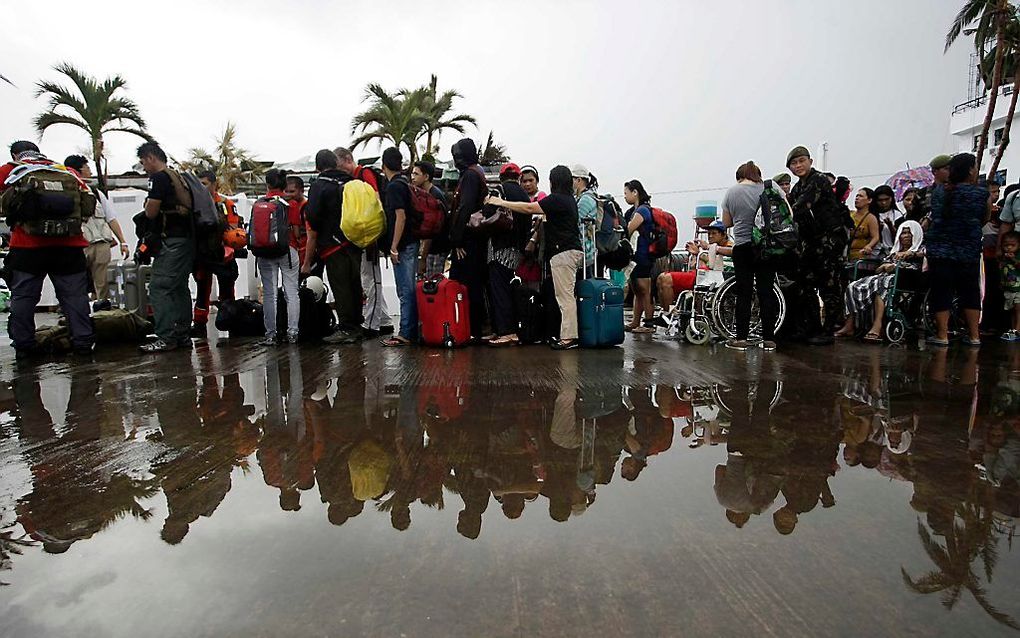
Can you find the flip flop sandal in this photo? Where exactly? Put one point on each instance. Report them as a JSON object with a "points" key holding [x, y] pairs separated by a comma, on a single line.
{"points": [[643, 331], [499, 342], [395, 342], [872, 337]]}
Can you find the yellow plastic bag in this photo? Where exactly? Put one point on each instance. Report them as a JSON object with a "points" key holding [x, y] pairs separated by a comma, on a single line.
{"points": [[362, 219]]}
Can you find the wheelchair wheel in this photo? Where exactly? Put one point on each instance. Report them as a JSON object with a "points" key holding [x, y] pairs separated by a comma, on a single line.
{"points": [[724, 310], [895, 330], [698, 331]]}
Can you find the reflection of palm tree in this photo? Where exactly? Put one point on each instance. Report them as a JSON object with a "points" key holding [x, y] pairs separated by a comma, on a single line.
{"points": [[971, 536], [10, 545]]}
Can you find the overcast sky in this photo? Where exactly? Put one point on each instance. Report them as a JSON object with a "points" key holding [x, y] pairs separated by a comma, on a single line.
{"points": [[674, 93]]}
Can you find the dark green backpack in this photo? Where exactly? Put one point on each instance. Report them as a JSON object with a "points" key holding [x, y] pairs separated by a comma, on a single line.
{"points": [[775, 234]]}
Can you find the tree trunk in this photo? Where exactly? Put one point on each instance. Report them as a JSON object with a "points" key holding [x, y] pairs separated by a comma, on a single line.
{"points": [[97, 157], [1009, 122], [1000, 54]]}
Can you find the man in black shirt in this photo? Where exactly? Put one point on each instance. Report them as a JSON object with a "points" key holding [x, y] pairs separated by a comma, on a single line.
{"points": [[173, 263], [469, 249], [403, 245], [341, 258]]}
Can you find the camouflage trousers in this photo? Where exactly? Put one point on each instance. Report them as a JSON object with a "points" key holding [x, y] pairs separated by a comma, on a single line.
{"points": [[820, 276]]}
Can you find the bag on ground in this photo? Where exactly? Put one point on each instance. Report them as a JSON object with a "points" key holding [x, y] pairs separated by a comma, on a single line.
{"points": [[241, 318], [443, 317], [316, 320]]}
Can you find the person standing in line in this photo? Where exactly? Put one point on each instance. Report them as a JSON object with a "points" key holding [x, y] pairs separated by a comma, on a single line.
{"points": [[469, 248], [377, 315], [562, 246], [99, 231], [866, 234], [287, 266], [341, 258], [403, 252], [505, 252], [172, 265], [888, 216], [32, 258], [435, 251], [224, 270], [640, 220], [740, 206], [954, 249], [295, 193], [529, 182], [822, 225], [783, 181], [1009, 268], [585, 191]]}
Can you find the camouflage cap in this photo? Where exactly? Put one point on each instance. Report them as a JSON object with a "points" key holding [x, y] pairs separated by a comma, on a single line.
{"points": [[940, 161], [782, 178], [799, 151]]}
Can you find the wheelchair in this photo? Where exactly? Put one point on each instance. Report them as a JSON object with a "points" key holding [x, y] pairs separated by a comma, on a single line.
{"points": [[908, 305], [709, 310]]}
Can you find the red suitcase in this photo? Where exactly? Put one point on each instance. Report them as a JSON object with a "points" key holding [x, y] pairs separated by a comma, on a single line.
{"points": [[443, 318]]}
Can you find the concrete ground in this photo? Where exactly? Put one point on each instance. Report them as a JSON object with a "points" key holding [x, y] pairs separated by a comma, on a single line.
{"points": [[653, 489]]}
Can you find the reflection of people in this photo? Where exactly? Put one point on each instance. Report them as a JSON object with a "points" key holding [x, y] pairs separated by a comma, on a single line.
{"points": [[285, 454], [77, 488], [649, 434]]}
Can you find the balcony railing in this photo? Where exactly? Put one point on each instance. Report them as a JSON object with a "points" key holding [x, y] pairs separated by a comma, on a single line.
{"points": [[980, 101]]}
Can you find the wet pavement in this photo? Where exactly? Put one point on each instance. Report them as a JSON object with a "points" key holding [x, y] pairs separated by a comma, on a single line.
{"points": [[655, 489]]}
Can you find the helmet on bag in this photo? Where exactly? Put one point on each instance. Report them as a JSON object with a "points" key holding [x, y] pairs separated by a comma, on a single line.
{"points": [[317, 287]]}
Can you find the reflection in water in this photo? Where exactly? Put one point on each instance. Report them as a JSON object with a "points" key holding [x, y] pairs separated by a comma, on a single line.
{"points": [[490, 453]]}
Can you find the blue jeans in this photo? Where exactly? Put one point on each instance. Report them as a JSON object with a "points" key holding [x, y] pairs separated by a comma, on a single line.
{"points": [[404, 275]]}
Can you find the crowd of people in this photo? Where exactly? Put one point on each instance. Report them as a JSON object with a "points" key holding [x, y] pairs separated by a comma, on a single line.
{"points": [[954, 237]]}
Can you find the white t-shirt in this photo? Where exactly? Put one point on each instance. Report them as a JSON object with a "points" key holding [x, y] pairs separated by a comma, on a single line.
{"points": [[97, 229]]}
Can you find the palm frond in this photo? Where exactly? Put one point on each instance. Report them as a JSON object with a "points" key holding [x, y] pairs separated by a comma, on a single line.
{"points": [[45, 120]]}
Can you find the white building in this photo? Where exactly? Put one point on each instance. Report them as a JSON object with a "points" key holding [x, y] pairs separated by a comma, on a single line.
{"points": [[965, 126]]}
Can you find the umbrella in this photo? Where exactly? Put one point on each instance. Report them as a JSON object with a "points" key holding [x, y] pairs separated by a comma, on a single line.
{"points": [[911, 178]]}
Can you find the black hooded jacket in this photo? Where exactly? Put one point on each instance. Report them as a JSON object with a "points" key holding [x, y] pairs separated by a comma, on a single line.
{"points": [[471, 190]]}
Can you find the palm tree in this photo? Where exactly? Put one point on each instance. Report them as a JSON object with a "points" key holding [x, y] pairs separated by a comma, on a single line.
{"points": [[437, 109], [96, 108], [4, 78], [492, 153], [397, 118], [1011, 68], [992, 17], [232, 164]]}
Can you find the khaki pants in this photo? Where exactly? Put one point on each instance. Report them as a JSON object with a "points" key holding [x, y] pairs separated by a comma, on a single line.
{"points": [[564, 267], [97, 257]]}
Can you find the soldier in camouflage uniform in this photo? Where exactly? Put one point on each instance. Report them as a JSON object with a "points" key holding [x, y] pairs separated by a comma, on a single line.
{"points": [[822, 223]]}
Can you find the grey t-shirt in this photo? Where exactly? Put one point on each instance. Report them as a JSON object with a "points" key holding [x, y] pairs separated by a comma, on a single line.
{"points": [[742, 202]]}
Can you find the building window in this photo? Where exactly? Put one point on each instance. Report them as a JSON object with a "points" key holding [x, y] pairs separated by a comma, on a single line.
{"points": [[977, 140], [998, 136]]}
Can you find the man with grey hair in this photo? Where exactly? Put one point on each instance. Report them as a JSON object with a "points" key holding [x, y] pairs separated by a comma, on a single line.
{"points": [[377, 316]]}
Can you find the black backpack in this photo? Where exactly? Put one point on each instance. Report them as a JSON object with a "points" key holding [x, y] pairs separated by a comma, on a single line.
{"points": [[316, 320], [241, 318]]}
